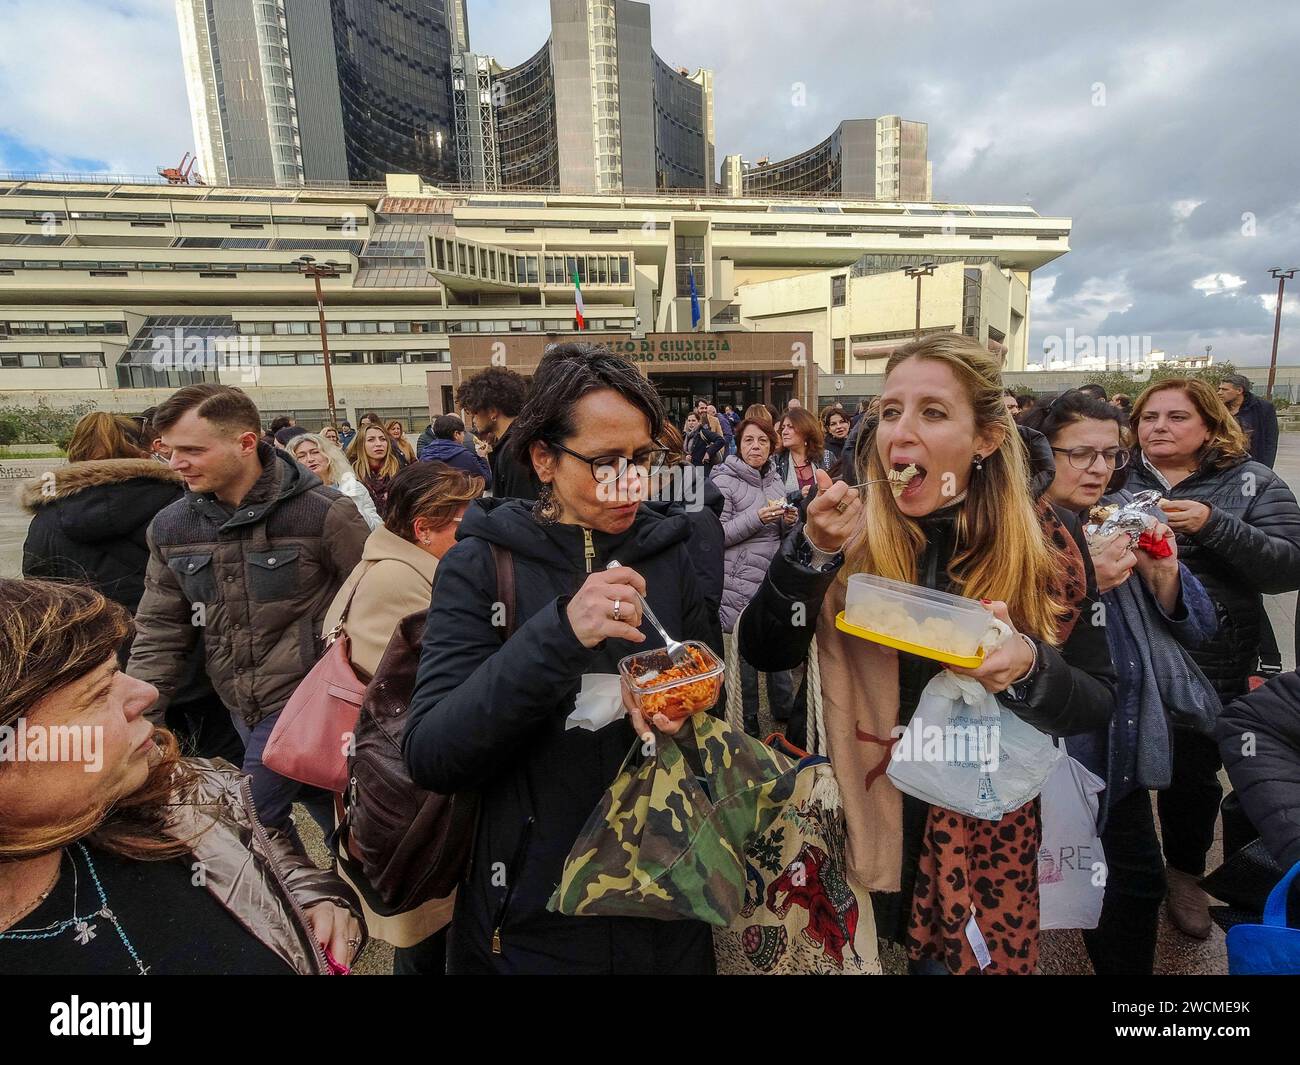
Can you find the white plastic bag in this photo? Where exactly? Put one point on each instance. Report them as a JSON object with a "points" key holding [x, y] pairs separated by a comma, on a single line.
{"points": [[964, 752], [1071, 865]]}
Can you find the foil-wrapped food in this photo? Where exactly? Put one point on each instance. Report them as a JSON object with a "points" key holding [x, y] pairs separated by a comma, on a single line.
{"points": [[1135, 518]]}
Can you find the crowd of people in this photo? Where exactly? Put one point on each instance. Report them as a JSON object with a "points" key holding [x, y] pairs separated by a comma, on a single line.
{"points": [[186, 573]]}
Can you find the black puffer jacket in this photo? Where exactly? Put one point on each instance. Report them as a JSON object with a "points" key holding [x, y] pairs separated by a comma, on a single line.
{"points": [[1259, 739], [1250, 545], [89, 524], [490, 717]]}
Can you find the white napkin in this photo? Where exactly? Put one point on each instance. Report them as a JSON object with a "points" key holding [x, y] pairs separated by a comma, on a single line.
{"points": [[599, 703]]}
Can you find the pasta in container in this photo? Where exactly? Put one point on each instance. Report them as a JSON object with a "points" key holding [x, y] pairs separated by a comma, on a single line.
{"points": [[657, 686]]}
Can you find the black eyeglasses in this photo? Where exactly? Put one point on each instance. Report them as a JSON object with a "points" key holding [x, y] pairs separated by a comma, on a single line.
{"points": [[1082, 458], [610, 469]]}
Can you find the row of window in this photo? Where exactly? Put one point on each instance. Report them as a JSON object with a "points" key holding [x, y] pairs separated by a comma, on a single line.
{"points": [[367, 328], [115, 267], [40, 329], [491, 264], [348, 220], [918, 231], [31, 360], [353, 358]]}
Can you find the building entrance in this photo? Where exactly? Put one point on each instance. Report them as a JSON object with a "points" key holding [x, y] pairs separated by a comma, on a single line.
{"points": [[678, 392]]}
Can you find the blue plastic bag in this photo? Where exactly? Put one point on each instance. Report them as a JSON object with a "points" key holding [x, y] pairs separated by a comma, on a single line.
{"points": [[1271, 948]]}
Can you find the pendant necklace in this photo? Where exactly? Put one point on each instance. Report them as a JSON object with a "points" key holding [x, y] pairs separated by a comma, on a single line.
{"points": [[81, 926]]}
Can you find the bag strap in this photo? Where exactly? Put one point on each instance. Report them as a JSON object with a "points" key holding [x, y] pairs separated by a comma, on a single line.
{"points": [[735, 709], [1275, 908], [335, 632], [816, 740]]}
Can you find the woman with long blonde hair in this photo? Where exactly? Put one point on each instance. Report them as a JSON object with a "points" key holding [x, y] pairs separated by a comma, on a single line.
{"points": [[401, 446], [966, 523], [374, 461]]}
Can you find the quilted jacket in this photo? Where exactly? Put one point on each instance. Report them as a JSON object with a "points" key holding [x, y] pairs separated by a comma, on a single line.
{"points": [[748, 543], [1249, 546]]}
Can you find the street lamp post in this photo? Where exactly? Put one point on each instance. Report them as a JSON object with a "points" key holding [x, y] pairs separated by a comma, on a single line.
{"points": [[1282, 277], [309, 267], [924, 269]]}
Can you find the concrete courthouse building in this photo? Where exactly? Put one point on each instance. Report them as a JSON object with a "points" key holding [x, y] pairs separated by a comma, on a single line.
{"points": [[120, 293], [459, 200]]}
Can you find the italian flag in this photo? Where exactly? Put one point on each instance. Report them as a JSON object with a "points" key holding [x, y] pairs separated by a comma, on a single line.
{"points": [[577, 299]]}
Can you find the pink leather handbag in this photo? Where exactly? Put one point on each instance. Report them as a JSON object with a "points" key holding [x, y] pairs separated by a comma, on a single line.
{"points": [[315, 731]]}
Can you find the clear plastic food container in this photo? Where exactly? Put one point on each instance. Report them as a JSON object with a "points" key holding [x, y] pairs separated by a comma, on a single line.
{"points": [[907, 617], [657, 686]]}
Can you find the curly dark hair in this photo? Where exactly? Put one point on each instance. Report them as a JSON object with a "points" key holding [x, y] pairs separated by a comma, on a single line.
{"points": [[568, 372], [496, 387]]}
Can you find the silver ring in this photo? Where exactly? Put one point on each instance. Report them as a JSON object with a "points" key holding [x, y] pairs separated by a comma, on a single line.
{"points": [[618, 606]]}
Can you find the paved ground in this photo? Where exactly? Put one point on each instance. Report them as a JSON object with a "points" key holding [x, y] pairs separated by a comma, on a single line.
{"points": [[1062, 951]]}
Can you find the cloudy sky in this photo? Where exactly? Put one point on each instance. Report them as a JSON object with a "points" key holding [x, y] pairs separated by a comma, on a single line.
{"points": [[1169, 132]]}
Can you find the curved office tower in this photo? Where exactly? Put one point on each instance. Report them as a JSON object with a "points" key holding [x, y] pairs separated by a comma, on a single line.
{"points": [[683, 127], [527, 148], [394, 78], [596, 110], [864, 158], [294, 91]]}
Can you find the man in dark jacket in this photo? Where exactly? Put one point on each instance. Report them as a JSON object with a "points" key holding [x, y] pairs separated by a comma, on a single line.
{"points": [[1257, 417], [426, 438], [448, 445], [494, 397], [252, 554]]}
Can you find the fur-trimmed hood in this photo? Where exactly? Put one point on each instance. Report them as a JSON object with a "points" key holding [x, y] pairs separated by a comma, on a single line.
{"points": [[102, 501], [78, 476]]}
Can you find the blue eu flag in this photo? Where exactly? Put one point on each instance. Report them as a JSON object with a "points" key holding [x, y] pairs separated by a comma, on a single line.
{"points": [[695, 299]]}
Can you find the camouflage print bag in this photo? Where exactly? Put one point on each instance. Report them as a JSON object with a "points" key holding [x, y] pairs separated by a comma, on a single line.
{"points": [[669, 835], [801, 914]]}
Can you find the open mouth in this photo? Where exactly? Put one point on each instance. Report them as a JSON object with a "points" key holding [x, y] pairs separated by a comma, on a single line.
{"points": [[905, 479]]}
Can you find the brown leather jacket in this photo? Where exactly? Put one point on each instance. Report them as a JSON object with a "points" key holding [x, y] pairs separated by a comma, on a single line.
{"points": [[254, 872]]}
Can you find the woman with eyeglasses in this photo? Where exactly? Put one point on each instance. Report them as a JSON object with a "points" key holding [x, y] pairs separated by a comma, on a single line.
{"points": [[393, 580], [490, 704], [1151, 603], [1238, 529]]}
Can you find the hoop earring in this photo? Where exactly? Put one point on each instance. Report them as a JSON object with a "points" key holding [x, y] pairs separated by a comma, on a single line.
{"points": [[978, 462], [547, 509]]}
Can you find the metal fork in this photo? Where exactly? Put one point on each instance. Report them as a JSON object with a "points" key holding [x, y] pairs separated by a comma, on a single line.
{"points": [[865, 484], [675, 648]]}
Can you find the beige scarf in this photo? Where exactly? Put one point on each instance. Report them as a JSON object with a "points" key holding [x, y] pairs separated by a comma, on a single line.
{"points": [[859, 696]]}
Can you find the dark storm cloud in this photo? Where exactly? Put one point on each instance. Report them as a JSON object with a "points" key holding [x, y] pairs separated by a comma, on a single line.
{"points": [[1199, 106]]}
